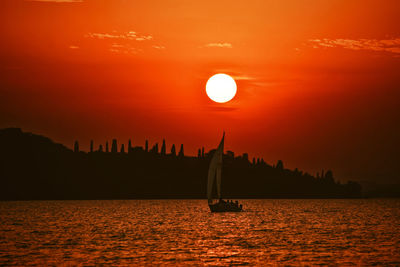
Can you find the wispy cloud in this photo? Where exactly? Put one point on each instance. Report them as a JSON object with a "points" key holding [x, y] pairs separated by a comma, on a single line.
{"points": [[56, 1], [73, 47], [124, 49], [243, 78], [104, 36], [125, 42], [237, 75], [160, 47], [131, 35], [388, 45], [115, 45], [220, 45], [144, 38]]}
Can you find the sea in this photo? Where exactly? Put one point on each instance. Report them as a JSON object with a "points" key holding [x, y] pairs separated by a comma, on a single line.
{"points": [[270, 232]]}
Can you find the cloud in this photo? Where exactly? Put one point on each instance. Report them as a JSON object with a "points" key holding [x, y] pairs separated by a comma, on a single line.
{"points": [[124, 43], [388, 45], [103, 36], [131, 35], [57, 1], [117, 45], [220, 45], [243, 78], [73, 47], [144, 38], [158, 47], [124, 49]]}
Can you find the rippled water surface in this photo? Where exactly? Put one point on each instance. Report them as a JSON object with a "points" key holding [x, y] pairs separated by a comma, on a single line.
{"points": [[184, 232]]}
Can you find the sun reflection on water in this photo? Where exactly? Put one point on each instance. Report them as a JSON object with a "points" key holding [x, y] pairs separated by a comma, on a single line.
{"points": [[184, 232]]}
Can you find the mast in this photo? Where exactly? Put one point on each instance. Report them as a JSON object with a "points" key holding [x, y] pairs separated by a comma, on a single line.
{"points": [[214, 171]]}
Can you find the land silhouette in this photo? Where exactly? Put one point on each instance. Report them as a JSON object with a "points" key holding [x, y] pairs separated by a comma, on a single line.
{"points": [[33, 167]]}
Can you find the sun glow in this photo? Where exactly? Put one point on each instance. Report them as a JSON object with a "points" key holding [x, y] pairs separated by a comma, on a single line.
{"points": [[221, 88]]}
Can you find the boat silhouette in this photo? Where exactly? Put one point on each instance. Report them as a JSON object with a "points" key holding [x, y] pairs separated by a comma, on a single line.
{"points": [[214, 174]]}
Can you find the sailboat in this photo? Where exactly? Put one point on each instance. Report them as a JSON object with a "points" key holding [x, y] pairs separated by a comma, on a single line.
{"points": [[214, 173]]}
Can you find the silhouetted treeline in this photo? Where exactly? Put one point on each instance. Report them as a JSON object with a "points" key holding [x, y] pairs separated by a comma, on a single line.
{"points": [[34, 167]]}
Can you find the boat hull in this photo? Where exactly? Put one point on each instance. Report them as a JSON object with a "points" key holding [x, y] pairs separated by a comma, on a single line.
{"points": [[224, 207]]}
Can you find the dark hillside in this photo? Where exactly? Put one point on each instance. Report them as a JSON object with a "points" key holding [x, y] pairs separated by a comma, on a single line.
{"points": [[34, 167]]}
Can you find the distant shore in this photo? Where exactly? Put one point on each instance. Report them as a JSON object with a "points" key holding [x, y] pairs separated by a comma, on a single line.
{"points": [[33, 167]]}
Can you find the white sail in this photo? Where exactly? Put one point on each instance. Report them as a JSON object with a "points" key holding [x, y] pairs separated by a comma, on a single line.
{"points": [[214, 171]]}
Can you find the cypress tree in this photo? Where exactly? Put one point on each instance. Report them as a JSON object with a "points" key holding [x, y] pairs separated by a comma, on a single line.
{"points": [[163, 149], [107, 150], [154, 149], [181, 153], [129, 146], [279, 165], [114, 148], [173, 150], [91, 146], [146, 147]]}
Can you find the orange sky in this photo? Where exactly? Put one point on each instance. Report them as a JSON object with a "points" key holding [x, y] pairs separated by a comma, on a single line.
{"points": [[318, 81]]}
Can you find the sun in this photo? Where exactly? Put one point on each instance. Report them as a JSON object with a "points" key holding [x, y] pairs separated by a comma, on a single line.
{"points": [[221, 88]]}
